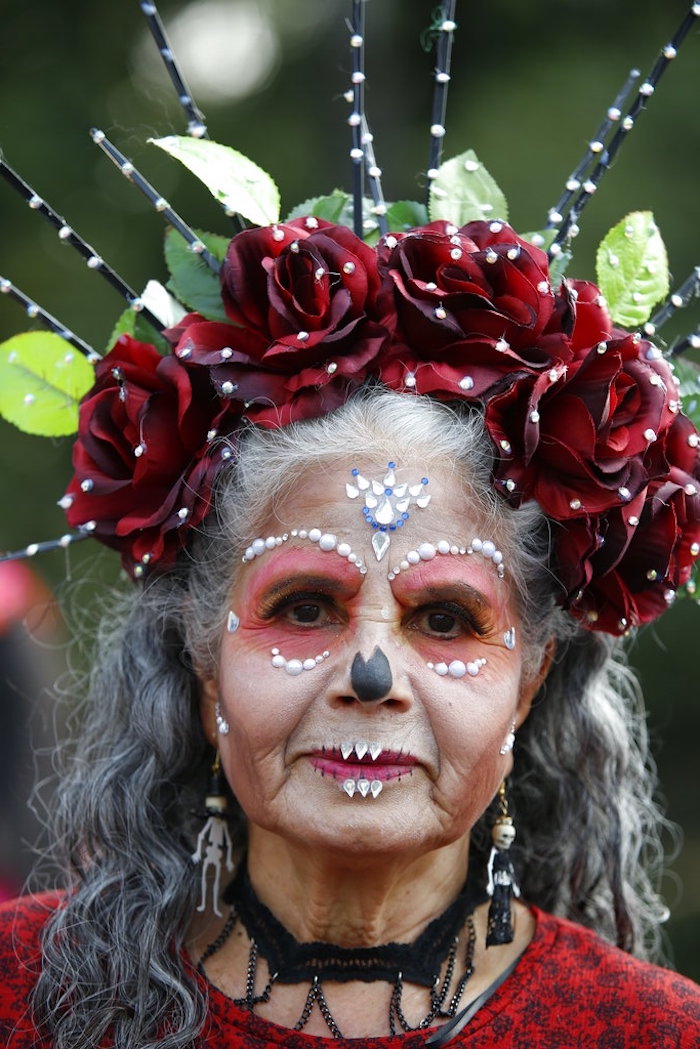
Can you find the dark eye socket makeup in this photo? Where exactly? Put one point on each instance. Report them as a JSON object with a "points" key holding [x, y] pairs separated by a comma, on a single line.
{"points": [[301, 596]]}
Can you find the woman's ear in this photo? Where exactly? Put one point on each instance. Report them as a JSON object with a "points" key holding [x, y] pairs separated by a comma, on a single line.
{"points": [[208, 698], [531, 684]]}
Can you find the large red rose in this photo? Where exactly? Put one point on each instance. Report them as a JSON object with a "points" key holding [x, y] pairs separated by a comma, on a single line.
{"points": [[145, 457], [302, 300], [469, 309], [585, 437], [623, 568]]}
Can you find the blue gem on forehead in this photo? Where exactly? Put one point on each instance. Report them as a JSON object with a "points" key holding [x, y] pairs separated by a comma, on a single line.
{"points": [[386, 503]]}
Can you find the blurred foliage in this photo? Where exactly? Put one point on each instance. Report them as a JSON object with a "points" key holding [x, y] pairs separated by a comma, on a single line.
{"points": [[531, 83]]}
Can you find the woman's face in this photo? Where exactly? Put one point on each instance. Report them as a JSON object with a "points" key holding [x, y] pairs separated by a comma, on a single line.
{"points": [[368, 712]]}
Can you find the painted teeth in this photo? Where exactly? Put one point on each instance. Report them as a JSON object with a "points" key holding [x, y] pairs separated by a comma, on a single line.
{"points": [[363, 787], [346, 750], [361, 749], [374, 752]]}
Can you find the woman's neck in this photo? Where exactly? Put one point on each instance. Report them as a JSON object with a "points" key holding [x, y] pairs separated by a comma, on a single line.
{"points": [[353, 901]]}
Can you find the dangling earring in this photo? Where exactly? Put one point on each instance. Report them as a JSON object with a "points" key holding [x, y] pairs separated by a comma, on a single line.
{"points": [[214, 845], [502, 884]]}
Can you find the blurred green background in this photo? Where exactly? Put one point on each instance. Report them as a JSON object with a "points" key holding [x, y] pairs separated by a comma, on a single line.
{"points": [[530, 85]]}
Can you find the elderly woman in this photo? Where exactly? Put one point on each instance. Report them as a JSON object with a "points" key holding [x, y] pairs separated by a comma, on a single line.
{"points": [[389, 510], [362, 661]]}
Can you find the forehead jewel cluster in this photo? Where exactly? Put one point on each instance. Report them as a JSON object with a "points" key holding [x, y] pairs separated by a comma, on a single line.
{"points": [[289, 318]]}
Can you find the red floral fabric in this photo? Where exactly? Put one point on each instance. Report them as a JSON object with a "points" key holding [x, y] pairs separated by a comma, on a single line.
{"points": [[570, 990]]}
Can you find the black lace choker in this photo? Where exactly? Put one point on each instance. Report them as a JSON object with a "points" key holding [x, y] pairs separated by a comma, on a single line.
{"points": [[291, 962]]}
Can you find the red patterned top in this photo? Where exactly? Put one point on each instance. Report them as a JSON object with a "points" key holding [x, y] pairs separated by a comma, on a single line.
{"points": [[570, 990]]}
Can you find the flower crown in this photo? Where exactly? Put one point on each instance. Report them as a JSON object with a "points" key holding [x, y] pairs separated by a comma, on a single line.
{"points": [[289, 318]]}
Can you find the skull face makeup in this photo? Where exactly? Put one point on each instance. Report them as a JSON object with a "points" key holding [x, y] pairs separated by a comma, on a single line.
{"points": [[373, 725]]}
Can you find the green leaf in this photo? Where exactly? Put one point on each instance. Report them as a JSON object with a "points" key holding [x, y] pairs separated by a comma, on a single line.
{"points": [[541, 238], [464, 191], [688, 375], [406, 214], [162, 304], [632, 269], [338, 207], [192, 281], [334, 207], [234, 180], [131, 323], [42, 378]]}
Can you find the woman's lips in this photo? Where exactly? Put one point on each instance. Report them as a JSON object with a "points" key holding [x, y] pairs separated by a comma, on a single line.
{"points": [[384, 765]]}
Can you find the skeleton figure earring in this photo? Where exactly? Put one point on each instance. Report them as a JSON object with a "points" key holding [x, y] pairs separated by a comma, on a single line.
{"points": [[502, 885], [214, 845]]}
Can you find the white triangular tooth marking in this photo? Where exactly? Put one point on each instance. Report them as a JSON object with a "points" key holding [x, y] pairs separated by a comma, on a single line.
{"points": [[376, 787], [361, 748], [370, 502], [415, 489], [349, 786], [400, 490], [362, 482], [351, 491], [375, 750], [363, 787], [377, 488], [346, 750], [403, 505], [423, 500]]}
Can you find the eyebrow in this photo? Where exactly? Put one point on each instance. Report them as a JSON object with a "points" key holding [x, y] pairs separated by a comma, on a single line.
{"points": [[324, 583], [455, 590]]}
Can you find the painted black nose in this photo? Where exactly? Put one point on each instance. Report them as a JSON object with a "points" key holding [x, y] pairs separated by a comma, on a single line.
{"points": [[371, 680]]}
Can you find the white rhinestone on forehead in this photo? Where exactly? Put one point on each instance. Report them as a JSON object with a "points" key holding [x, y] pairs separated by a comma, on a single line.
{"points": [[324, 540], [428, 551], [386, 504], [294, 667]]}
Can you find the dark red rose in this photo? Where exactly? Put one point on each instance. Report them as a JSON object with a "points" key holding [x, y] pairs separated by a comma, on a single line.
{"points": [[623, 569], [580, 438], [469, 309], [144, 459], [304, 295]]}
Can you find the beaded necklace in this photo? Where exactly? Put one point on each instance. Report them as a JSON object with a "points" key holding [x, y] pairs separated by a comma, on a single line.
{"points": [[290, 962]]}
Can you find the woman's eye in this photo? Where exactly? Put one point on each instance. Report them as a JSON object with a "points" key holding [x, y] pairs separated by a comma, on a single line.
{"points": [[442, 623], [447, 622], [307, 612]]}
